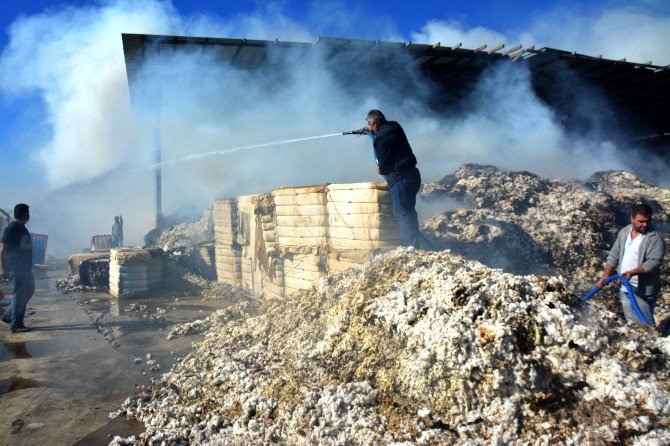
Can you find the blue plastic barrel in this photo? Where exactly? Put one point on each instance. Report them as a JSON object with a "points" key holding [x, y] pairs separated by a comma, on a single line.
{"points": [[39, 247]]}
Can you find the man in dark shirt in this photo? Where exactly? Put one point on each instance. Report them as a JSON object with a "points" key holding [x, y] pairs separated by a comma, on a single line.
{"points": [[16, 258], [117, 231], [397, 163]]}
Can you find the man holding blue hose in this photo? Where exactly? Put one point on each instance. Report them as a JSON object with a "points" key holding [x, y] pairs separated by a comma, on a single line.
{"points": [[397, 163], [638, 254]]}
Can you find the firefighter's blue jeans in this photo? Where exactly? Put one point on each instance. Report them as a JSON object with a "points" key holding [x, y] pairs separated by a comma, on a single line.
{"points": [[646, 304], [403, 195]]}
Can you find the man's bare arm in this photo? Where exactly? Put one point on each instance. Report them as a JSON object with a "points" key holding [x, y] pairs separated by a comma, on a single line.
{"points": [[634, 272], [609, 270]]}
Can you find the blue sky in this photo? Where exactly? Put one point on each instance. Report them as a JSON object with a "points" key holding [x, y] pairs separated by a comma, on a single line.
{"points": [[58, 99]]}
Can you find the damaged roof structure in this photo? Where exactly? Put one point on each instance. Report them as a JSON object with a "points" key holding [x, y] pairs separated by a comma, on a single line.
{"points": [[639, 92]]}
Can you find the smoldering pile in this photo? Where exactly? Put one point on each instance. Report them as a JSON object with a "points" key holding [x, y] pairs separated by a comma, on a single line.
{"points": [[184, 238], [189, 253], [419, 348], [244, 308], [241, 306], [73, 284], [223, 291], [527, 224]]}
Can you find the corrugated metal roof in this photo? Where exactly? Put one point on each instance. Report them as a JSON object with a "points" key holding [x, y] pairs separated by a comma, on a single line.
{"points": [[639, 92]]}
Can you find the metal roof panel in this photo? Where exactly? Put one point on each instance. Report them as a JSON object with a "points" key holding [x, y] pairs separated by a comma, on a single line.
{"points": [[623, 82]]}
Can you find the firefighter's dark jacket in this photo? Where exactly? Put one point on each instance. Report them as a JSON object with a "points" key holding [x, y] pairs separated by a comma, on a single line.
{"points": [[393, 151]]}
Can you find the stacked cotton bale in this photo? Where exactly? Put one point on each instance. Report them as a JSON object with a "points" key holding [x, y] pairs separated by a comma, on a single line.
{"points": [[302, 270], [226, 254], [360, 223], [272, 245], [203, 260], [302, 230], [274, 288], [128, 271], [155, 268], [268, 252], [246, 238]]}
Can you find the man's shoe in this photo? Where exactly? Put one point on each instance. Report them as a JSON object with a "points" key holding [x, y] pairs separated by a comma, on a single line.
{"points": [[20, 329]]}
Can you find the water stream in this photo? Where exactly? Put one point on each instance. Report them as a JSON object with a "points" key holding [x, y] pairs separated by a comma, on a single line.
{"points": [[197, 156], [125, 169]]}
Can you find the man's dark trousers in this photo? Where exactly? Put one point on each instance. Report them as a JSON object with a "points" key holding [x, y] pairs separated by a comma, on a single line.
{"points": [[24, 288], [403, 196]]}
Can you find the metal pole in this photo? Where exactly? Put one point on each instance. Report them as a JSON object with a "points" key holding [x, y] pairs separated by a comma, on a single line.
{"points": [[157, 139]]}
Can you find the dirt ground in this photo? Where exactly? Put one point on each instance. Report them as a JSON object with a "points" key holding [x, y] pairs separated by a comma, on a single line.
{"points": [[59, 382]]}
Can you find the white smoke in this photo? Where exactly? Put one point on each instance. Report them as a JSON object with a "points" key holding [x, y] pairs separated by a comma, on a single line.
{"points": [[453, 32], [508, 126], [632, 32], [267, 23], [73, 59]]}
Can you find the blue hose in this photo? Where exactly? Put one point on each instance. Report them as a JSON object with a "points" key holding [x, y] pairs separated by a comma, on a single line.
{"points": [[629, 290], [372, 137]]}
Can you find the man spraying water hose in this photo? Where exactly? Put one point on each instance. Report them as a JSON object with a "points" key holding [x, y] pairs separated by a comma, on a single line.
{"points": [[637, 254], [397, 164]]}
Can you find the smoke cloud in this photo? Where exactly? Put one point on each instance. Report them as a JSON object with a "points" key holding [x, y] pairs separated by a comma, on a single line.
{"points": [[96, 159], [453, 32], [71, 57], [630, 32]]}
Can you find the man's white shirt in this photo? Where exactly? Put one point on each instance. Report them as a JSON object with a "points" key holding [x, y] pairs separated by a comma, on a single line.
{"points": [[631, 257]]}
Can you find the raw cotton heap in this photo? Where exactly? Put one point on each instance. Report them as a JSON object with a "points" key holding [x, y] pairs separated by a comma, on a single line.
{"points": [[525, 224], [420, 348], [72, 284], [188, 244], [185, 238], [241, 306], [625, 187]]}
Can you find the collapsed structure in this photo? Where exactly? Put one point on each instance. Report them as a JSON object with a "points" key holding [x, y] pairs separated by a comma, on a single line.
{"points": [[272, 245]]}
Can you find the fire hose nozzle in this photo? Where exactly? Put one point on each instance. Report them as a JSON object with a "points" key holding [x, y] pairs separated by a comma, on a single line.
{"points": [[354, 132]]}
